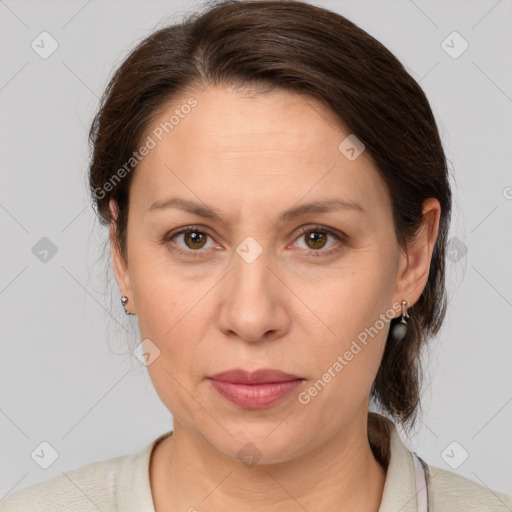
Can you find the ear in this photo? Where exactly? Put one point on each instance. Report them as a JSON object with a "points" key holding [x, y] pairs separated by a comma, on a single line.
{"points": [[119, 263], [415, 261]]}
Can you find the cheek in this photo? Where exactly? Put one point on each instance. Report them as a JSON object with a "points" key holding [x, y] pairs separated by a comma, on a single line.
{"points": [[354, 316], [181, 360], [346, 368], [350, 298], [164, 293]]}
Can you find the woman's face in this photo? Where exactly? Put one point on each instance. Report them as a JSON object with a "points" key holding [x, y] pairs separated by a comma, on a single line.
{"points": [[250, 289]]}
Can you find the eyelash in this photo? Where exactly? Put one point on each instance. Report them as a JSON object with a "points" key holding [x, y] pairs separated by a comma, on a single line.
{"points": [[307, 229]]}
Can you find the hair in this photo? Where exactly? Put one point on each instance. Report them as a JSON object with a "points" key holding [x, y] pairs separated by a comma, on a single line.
{"points": [[289, 45]]}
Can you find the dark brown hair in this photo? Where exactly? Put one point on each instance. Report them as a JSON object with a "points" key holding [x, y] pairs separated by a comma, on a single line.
{"points": [[300, 48]]}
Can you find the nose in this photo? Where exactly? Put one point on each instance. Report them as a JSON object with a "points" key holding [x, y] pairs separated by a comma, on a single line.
{"points": [[253, 301]]}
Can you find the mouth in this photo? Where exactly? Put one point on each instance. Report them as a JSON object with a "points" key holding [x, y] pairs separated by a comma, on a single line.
{"points": [[257, 389]]}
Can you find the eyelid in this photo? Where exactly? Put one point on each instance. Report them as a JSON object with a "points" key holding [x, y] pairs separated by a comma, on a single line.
{"points": [[321, 228]]}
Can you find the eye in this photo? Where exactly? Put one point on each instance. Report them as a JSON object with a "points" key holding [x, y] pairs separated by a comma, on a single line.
{"points": [[193, 238], [316, 238]]}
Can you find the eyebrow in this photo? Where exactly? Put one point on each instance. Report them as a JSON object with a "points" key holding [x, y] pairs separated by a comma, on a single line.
{"points": [[202, 210]]}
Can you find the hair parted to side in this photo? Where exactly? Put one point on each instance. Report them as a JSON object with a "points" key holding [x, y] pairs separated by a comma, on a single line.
{"points": [[265, 45]]}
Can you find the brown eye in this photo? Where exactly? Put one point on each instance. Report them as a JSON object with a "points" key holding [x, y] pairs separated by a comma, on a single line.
{"points": [[315, 239], [189, 241], [194, 239]]}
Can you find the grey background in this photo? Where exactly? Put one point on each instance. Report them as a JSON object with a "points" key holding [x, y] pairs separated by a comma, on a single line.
{"points": [[66, 374]]}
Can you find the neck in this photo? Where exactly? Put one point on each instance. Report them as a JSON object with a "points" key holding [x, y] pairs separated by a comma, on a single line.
{"points": [[340, 474]]}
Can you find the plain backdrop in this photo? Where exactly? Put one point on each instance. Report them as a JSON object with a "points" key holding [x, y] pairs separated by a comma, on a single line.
{"points": [[67, 377]]}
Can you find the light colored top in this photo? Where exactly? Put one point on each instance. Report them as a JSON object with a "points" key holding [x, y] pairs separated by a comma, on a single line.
{"points": [[122, 483]]}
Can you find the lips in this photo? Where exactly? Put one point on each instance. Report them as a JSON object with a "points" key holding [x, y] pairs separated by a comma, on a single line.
{"points": [[255, 390], [261, 376]]}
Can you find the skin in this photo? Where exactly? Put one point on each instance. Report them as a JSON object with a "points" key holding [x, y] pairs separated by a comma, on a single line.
{"points": [[252, 158]]}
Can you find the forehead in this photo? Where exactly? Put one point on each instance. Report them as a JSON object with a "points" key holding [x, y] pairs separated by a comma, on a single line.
{"points": [[224, 120], [277, 145]]}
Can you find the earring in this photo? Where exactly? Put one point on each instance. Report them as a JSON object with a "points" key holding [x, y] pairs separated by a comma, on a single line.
{"points": [[400, 329], [124, 300]]}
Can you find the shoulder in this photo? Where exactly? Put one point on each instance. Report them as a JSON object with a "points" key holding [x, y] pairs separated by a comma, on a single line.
{"points": [[453, 492], [88, 488]]}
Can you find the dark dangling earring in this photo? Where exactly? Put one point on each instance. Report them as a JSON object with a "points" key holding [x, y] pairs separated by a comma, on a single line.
{"points": [[400, 329], [124, 300]]}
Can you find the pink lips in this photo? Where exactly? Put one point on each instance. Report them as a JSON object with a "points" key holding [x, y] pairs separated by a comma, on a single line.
{"points": [[254, 390]]}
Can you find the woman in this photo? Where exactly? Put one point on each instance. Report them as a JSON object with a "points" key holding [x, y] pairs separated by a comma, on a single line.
{"points": [[278, 202]]}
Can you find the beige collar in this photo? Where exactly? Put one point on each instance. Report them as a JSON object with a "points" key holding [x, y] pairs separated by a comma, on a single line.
{"points": [[400, 491]]}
